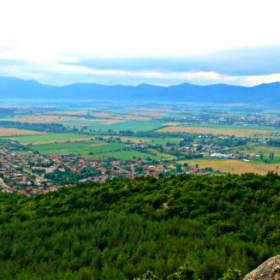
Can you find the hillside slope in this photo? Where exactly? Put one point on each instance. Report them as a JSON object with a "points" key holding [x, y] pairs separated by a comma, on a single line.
{"points": [[124, 228]]}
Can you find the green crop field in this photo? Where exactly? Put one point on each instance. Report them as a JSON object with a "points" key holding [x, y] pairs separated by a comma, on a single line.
{"points": [[90, 123], [79, 148], [126, 155], [159, 155], [97, 150], [123, 125], [239, 127], [137, 125], [164, 140]]}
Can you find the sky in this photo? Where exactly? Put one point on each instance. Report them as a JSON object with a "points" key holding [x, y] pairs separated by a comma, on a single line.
{"points": [[130, 42]]}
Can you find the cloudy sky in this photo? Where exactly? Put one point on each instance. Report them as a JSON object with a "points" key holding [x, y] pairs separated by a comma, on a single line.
{"points": [[141, 41]]}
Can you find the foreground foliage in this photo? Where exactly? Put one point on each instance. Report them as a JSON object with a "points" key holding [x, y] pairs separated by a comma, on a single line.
{"points": [[184, 225]]}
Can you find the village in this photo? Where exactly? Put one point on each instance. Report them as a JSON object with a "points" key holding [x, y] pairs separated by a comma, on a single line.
{"points": [[32, 173], [26, 170]]}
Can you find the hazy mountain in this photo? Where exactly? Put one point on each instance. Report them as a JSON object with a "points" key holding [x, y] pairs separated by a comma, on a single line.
{"points": [[265, 94]]}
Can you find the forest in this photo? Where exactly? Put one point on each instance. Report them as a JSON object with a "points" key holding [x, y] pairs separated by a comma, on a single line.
{"points": [[182, 227]]}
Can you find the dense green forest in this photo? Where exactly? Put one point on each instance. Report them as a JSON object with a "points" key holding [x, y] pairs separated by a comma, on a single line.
{"points": [[198, 226]]}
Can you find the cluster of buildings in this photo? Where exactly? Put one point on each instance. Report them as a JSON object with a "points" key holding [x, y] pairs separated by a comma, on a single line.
{"points": [[224, 118], [33, 173]]}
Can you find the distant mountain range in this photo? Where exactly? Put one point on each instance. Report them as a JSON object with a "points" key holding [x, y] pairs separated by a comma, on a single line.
{"points": [[264, 94]]}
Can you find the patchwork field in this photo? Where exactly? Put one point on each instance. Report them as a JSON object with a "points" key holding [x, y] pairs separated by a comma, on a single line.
{"points": [[235, 166], [108, 123], [97, 150], [4, 132], [137, 115], [217, 131]]}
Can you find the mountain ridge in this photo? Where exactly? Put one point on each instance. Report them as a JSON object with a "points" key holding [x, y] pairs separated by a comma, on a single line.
{"points": [[263, 94]]}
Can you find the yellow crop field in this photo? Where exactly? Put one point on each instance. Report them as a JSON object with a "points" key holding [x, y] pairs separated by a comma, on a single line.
{"points": [[46, 119], [216, 131], [111, 121], [102, 115], [235, 166], [17, 132]]}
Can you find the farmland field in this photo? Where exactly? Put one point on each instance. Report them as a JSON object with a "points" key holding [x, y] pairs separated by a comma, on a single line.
{"points": [[50, 138], [132, 125], [217, 131], [113, 124], [169, 133], [162, 156], [260, 149], [125, 155], [46, 119], [164, 140], [237, 127], [5, 132], [79, 148], [235, 166], [263, 149]]}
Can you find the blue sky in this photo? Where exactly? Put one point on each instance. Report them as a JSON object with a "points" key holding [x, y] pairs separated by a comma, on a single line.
{"points": [[149, 41]]}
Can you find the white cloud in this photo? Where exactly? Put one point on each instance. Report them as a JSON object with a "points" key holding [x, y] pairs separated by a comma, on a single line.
{"points": [[136, 27], [59, 73], [261, 79], [47, 33]]}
